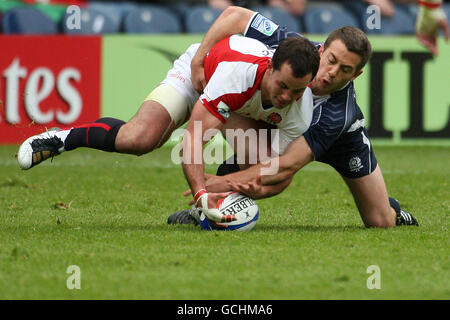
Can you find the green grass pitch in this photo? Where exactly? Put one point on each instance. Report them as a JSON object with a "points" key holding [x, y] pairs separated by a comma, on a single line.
{"points": [[106, 213]]}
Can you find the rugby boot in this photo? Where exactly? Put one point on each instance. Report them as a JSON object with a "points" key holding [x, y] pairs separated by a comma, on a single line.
{"points": [[39, 148]]}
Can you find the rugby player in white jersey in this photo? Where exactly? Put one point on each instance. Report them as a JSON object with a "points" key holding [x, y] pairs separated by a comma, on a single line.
{"points": [[337, 135], [242, 77], [275, 91]]}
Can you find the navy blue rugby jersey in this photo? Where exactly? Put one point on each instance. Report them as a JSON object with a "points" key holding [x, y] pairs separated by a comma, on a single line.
{"points": [[337, 117]]}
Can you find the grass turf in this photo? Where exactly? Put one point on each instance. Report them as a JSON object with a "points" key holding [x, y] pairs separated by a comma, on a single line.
{"points": [[107, 213]]}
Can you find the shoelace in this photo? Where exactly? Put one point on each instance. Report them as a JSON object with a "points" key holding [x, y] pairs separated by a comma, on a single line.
{"points": [[47, 144]]}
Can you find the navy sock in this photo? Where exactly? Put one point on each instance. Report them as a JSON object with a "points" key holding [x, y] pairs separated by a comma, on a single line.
{"points": [[403, 217], [227, 168], [100, 134], [395, 205]]}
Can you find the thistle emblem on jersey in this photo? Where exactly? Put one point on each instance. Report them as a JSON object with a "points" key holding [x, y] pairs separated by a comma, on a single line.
{"points": [[274, 118], [355, 164]]}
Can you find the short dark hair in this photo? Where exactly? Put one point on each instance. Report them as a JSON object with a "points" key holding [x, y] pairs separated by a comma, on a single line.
{"points": [[355, 40], [300, 53]]}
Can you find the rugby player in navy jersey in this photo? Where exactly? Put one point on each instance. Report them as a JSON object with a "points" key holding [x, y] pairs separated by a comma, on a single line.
{"points": [[337, 135]]}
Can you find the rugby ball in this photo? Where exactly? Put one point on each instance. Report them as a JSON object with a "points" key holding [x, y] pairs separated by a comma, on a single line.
{"points": [[245, 209]]}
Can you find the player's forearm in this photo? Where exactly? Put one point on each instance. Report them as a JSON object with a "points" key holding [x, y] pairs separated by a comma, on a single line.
{"points": [[192, 164], [284, 168], [279, 173], [192, 151], [201, 121], [232, 20], [244, 176], [194, 175], [297, 155], [278, 169], [267, 191]]}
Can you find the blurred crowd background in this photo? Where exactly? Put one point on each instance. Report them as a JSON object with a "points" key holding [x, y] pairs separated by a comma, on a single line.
{"points": [[397, 17]]}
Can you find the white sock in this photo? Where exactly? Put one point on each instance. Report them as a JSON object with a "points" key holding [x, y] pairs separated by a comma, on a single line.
{"points": [[62, 134]]}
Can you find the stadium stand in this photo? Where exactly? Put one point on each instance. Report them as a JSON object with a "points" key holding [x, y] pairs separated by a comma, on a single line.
{"points": [[279, 16], [151, 19], [324, 18], [402, 22], [6, 5], [198, 19], [195, 16], [116, 11], [54, 12], [446, 7], [27, 20], [92, 22]]}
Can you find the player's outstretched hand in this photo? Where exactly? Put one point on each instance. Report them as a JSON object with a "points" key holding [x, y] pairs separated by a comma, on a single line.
{"points": [[209, 207], [429, 22]]}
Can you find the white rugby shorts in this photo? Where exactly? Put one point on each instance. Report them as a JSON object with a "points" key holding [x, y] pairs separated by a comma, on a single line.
{"points": [[176, 92]]}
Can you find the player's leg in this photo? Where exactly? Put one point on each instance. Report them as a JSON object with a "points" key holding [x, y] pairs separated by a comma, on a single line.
{"points": [[376, 208], [99, 134], [166, 108], [355, 160], [372, 200], [147, 130]]}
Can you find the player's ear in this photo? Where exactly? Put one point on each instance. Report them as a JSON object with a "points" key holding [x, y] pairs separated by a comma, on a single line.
{"points": [[321, 49], [357, 74], [270, 65]]}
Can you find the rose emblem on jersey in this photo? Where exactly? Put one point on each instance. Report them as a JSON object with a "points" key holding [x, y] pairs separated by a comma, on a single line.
{"points": [[275, 118]]}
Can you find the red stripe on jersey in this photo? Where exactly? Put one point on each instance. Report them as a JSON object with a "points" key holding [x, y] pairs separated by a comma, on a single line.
{"points": [[222, 52]]}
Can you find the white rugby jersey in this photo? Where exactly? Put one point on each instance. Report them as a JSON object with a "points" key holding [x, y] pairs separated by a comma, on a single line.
{"points": [[234, 69]]}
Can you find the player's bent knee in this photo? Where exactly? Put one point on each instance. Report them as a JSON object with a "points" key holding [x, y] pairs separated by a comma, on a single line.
{"points": [[140, 150], [136, 141], [379, 220], [145, 143]]}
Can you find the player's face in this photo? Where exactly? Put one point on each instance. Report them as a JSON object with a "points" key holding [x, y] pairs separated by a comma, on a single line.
{"points": [[284, 88], [337, 67]]}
